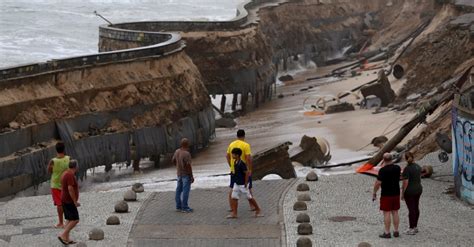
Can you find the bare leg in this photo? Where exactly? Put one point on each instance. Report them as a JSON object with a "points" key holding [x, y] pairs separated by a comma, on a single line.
{"points": [[234, 205], [386, 221], [396, 220], [254, 204], [252, 207], [69, 226], [60, 217], [230, 199]]}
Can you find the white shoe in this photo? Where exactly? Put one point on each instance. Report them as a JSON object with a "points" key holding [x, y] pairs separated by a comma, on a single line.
{"points": [[410, 231], [415, 229]]}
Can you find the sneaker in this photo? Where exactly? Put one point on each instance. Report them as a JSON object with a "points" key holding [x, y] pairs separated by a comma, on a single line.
{"points": [[179, 209], [385, 235], [187, 210], [396, 234], [415, 229], [410, 231]]}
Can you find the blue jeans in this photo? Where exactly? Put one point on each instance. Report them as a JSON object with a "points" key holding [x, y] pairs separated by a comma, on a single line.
{"points": [[182, 192]]}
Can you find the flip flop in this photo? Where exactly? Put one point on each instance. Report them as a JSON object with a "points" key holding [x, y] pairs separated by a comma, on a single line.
{"points": [[72, 242], [231, 217], [259, 215], [253, 209], [58, 227], [62, 241]]}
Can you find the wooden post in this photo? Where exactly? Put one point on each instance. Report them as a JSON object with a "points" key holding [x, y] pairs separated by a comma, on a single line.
{"points": [[223, 103], [243, 101], [234, 101]]}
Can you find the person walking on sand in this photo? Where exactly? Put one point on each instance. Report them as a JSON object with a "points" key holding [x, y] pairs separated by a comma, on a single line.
{"points": [[241, 180], [411, 191], [389, 179], [246, 157], [56, 167], [70, 201], [182, 160]]}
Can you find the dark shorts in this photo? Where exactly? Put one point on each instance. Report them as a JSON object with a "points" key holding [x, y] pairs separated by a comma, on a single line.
{"points": [[56, 194], [232, 181], [389, 203], [70, 211]]}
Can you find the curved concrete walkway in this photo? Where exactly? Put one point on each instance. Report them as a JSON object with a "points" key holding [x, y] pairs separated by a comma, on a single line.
{"points": [[158, 224]]}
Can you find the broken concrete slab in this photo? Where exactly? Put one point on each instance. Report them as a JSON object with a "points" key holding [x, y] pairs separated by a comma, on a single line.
{"points": [[225, 123], [312, 151], [341, 107], [381, 89]]}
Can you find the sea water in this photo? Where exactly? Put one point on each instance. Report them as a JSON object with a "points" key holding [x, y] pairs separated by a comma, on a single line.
{"points": [[39, 30]]}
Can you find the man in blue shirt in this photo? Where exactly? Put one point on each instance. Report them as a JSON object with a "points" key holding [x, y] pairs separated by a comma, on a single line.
{"points": [[241, 179]]}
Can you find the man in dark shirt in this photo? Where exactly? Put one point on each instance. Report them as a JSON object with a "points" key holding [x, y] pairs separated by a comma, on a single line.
{"points": [[388, 179], [241, 180], [182, 160], [70, 201]]}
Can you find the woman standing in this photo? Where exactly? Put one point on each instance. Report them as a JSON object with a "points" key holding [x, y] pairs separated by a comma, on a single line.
{"points": [[411, 191]]}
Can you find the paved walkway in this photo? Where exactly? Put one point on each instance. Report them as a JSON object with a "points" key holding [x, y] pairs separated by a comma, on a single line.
{"points": [[158, 224], [444, 220]]}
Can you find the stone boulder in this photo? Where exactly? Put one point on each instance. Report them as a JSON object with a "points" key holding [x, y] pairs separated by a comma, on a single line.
{"points": [[138, 188], [311, 176], [113, 220], [121, 207], [364, 244], [302, 218], [305, 229], [302, 187], [285, 78], [341, 107], [81, 244], [96, 234], [130, 196], [300, 206], [304, 198], [225, 123], [304, 242]]}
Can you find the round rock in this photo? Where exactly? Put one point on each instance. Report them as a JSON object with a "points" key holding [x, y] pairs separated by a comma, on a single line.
{"points": [[130, 196], [304, 242], [305, 229], [96, 234], [302, 218], [304, 197], [113, 220], [138, 187], [312, 176], [302, 187], [300, 206], [364, 244], [121, 207], [81, 244]]}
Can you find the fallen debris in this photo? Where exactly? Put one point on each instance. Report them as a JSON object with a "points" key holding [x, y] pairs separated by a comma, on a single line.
{"points": [[312, 151], [341, 107]]}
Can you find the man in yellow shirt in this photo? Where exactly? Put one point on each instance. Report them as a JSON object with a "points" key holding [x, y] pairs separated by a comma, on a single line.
{"points": [[246, 157], [56, 167]]}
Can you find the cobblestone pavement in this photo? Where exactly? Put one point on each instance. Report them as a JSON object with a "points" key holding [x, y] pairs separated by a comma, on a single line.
{"points": [[158, 224], [444, 220], [29, 221]]}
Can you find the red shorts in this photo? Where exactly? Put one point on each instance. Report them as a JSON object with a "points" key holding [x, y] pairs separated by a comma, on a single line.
{"points": [[56, 193], [389, 203]]}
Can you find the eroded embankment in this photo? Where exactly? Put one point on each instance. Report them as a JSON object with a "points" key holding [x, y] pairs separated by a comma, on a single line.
{"points": [[240, 56], [105, 112]]}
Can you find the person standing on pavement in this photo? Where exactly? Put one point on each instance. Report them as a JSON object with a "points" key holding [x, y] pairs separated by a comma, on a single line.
{"points": [[241, 181], [56, 167], [182, 160], [389, 179], [70, 201], [411, 191], [246, 157]]}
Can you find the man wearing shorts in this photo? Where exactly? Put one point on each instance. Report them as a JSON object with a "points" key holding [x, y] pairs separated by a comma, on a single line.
{"points": [[56, 167], [389, 180], [246, 157], [70, 201], [241, 180]]}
